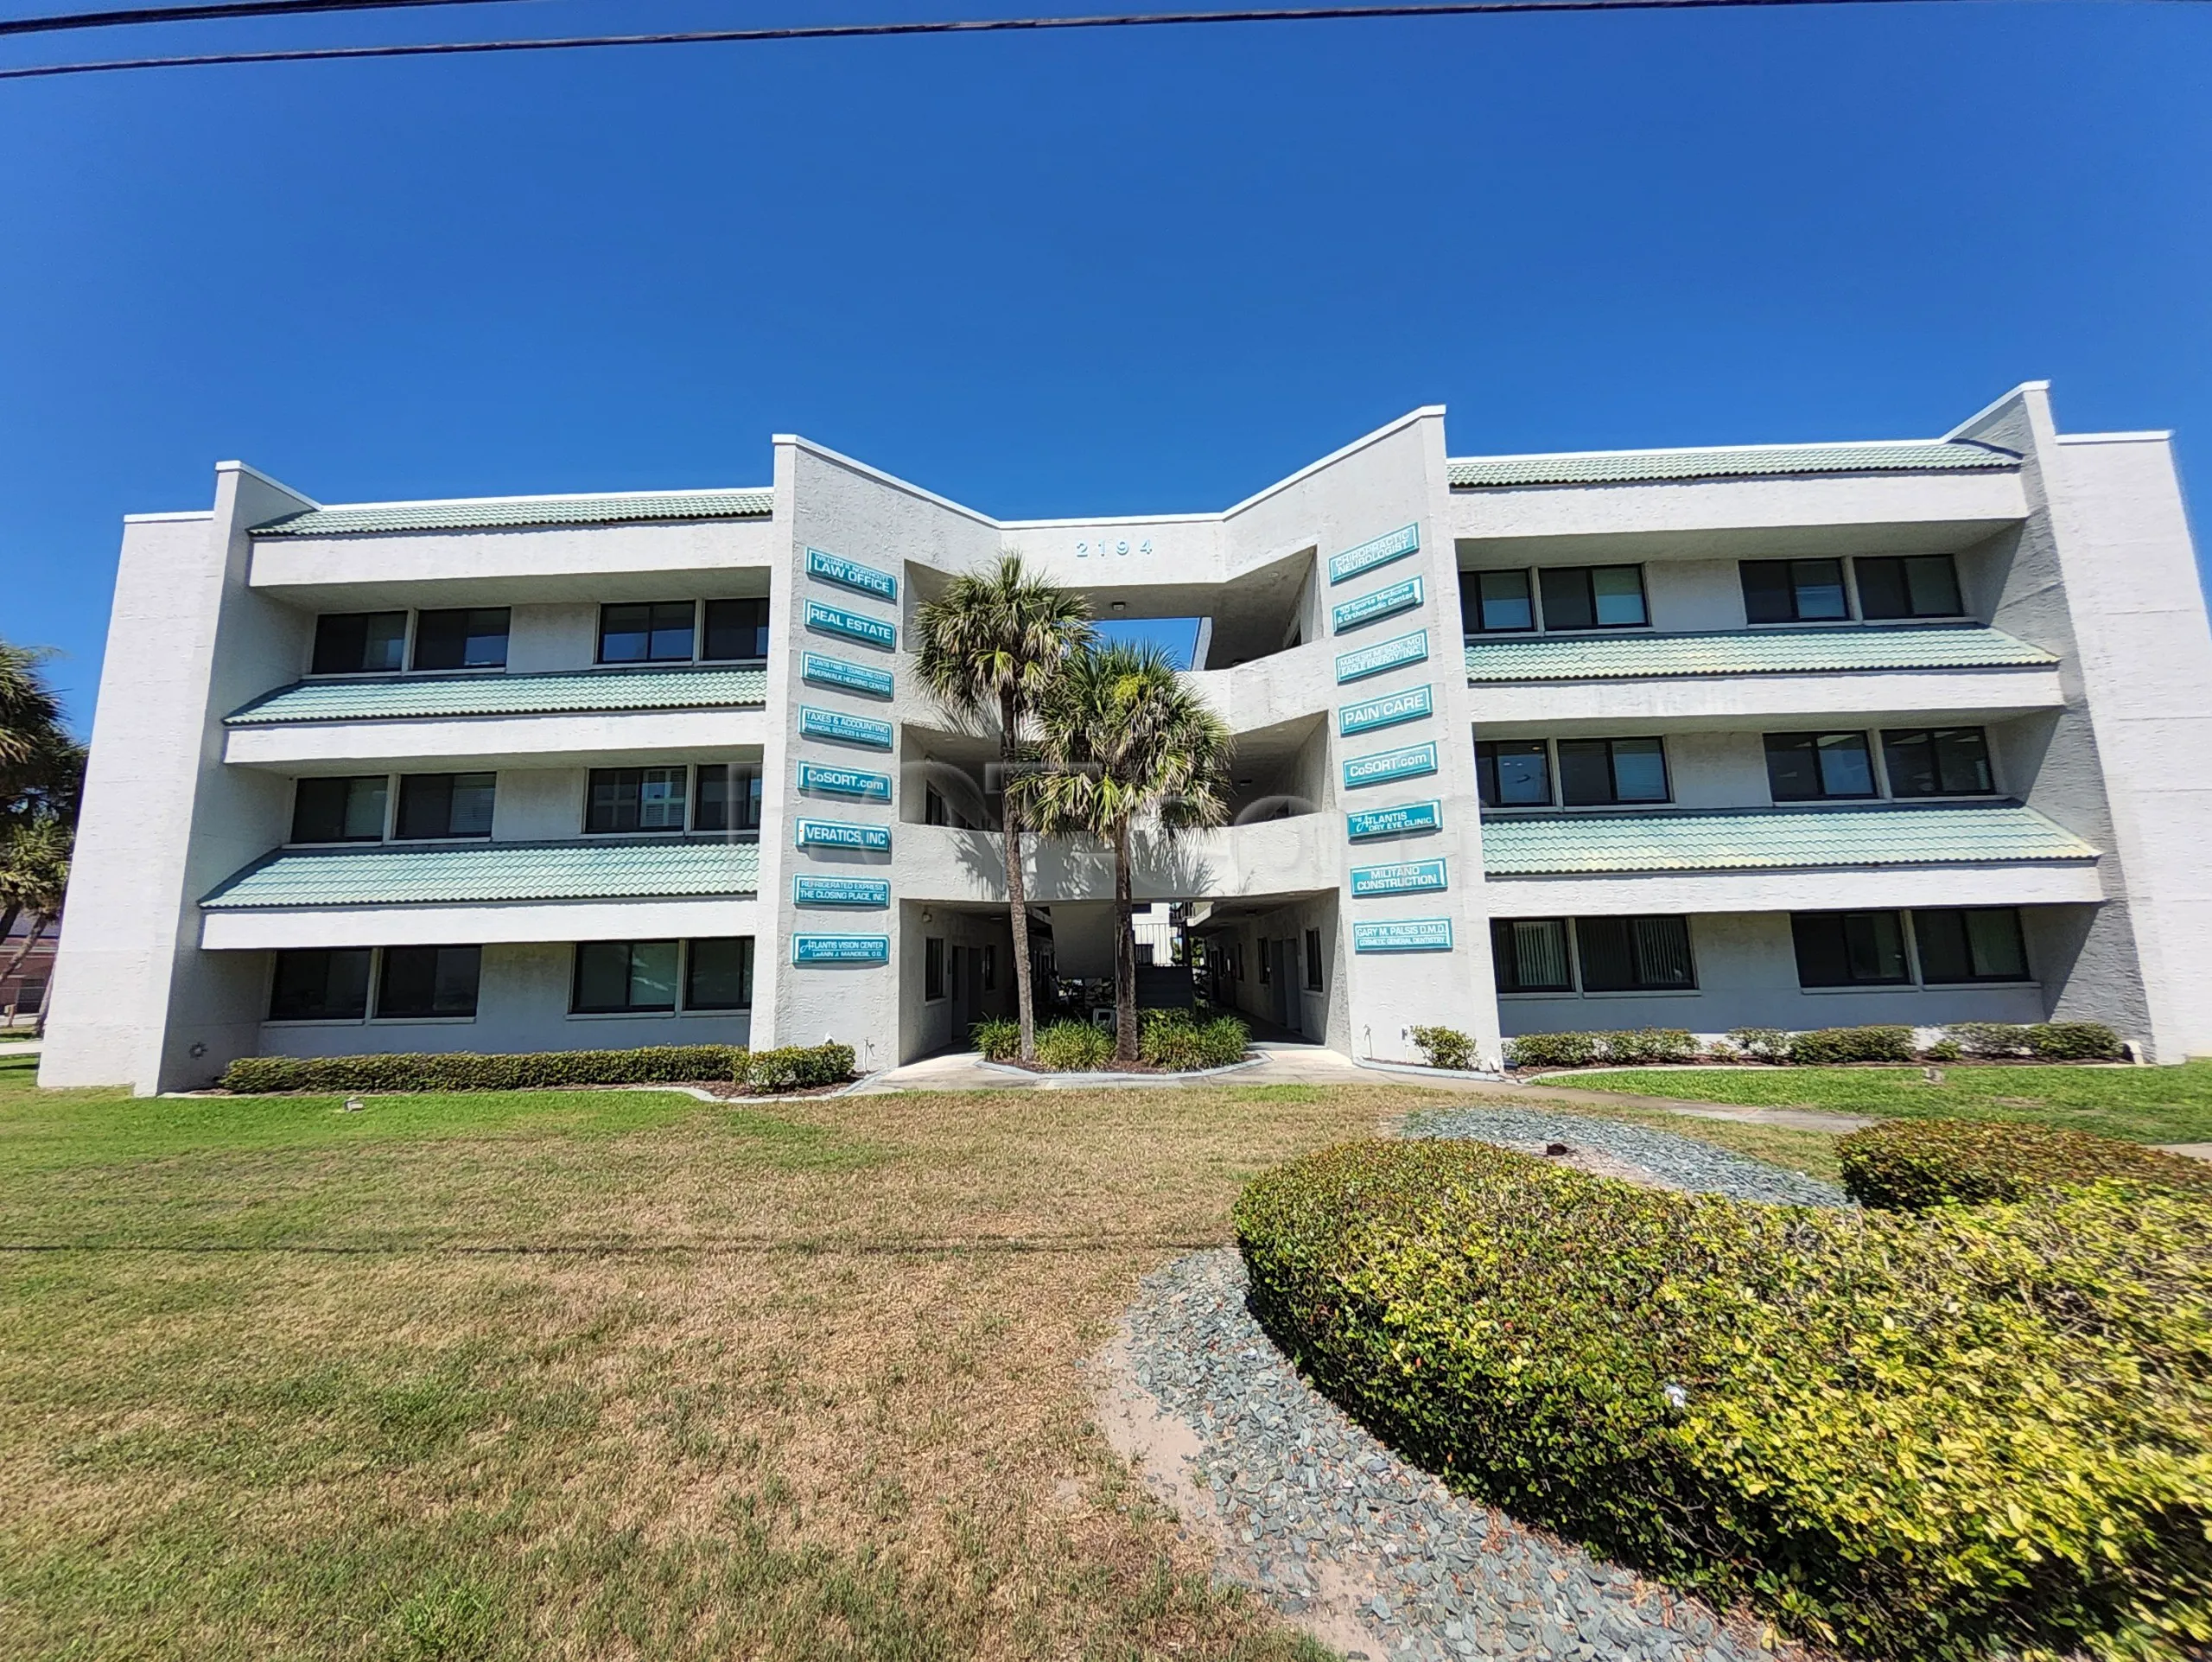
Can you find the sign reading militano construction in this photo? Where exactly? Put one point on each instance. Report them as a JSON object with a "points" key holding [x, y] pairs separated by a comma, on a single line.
{"points": [[1383, 655], [1383, 603], [1407, 877], [853, 678], [841, 891], [846, 729], [1387, 711], [835, 834], [1401, 821], [832, 619], [1386, 765], [1406, 935], [850, 574], [1396, 545], [844, 781], [841, 949]]}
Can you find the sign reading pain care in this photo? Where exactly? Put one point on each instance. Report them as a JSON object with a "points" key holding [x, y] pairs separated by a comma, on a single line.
{"points": [[1405, 935], [850, 574], [1408, 877], [1387, 711], [841, 949]]}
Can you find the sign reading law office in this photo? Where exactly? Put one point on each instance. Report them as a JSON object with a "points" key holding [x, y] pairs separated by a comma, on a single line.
{"points": [[851, 574]]}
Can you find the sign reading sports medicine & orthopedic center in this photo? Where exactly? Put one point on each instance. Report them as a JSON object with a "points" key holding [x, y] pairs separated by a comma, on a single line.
{"points": [[841, 949], [846, 729], [1387, 711], [1393, 545], [1383, 655], [836, 834], [1408, 877], [850, 574], [1386, 765], [1399, 821], [832, 619], [1383, 603], [844, 781], [1406, 935], [841, 891], [853, 678]]}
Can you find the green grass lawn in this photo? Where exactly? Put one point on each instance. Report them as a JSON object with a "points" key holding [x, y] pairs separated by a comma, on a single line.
{"points": [[2141, 1105]]}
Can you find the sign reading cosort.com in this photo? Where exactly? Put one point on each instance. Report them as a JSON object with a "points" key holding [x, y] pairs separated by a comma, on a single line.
{"points": [[850, 574], [1387, 711], [833, 620], [1403, 935], [1384, 766], [1407, 877], [844, 781], [1383, 655], [1392, 545], [1406, 819], [841, 949]]}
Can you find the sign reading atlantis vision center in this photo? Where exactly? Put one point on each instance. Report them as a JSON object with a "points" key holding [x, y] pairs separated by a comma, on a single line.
{"points": [[850, 574], [841, 891], [846, 729], [844, 781], [835, 834], [1387, 711], [841, 949], [1383, 603], [1386, 765], [853, 678], [1381, 551], [1408, 877], [1405, 935], [1404, 820], [831, 620], [1383, 655]]}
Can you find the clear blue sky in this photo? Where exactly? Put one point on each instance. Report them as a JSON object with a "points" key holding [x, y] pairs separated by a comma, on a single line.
{"points": [[1076, 274]]}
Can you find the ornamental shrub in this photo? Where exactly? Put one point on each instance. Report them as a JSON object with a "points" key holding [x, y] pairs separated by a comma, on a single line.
{"points": [[1761, 1044], [1171, 1040], [2073, 1041], [1552, 1050], [1638, 1046], [799, 1067], [1907, 1436], [1913, 1164], [998, 1038], [1225, 1040], [1829, 1046], [1989, 1040], [1074, 1047], [1445, 1046], [464, 1070]]}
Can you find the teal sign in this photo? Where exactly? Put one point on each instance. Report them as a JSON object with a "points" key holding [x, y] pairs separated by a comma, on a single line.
{"points": [[832, 567], [1402, 821], [1406, 935], [846, 729], [1395, 546], [841, 891], [830, 620], [1383, 655], [844, 781], [853, 678], [1388, 711], [1407, 877], [1386, 765], [1383, 603], [833, 834], [841, 949]]}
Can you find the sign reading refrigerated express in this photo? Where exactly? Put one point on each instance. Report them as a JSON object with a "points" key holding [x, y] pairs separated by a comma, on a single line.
{"points": [[841, 891]]}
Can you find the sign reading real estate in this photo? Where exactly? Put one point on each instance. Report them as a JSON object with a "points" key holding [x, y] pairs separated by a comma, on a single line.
{"points": [[1407, 877], [853, 678], [1383, 655], [1394, 546], [844, 781], [841, 949], [1383, 603], [845, 730], [835, 834], [1386, 765], [841, 891], [1387, 711], [1404, 820], [1403, 935], [833, 620], [850, 574]]}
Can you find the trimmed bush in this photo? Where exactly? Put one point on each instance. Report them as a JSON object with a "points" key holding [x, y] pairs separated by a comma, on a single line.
{"points": [[1637, 1046], [799, 1067], [998, 1038], [1552, 1050], [1445, 1046], [1989, 1040], [1921, 1436], [2073, 1041], [464, 1070], [1170, 1039], [1916, 1163], [1761, 1044], [1226, 1040], [1074, 1047], [1944, 1050], [1827, 1047]]}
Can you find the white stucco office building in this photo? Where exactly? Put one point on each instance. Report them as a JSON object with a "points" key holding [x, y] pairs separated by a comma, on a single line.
{"points": [[1792, 736]]}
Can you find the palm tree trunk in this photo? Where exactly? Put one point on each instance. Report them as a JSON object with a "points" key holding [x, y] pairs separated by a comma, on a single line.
{"points": [[39, 922], [1125, 951], [1017, 902]]}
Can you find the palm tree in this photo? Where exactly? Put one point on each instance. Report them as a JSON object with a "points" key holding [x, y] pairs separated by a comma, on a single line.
{"points": [[29, 712], [41, 775], [992, 644], [1125, 739]]}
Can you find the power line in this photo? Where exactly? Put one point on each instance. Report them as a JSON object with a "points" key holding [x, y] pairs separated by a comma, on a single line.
{"points": [[209, 13]]}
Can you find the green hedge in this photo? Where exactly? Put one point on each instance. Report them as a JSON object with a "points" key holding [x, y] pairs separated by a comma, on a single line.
{"points": [[1914, 1163], [1827, 1047], [1445, 1046], [1074, 1047], [998, 1038], [1633, 1048], [797, 1068], [467, 1071], [1906, 1435], [2048, 1041], [1176, 1039]]}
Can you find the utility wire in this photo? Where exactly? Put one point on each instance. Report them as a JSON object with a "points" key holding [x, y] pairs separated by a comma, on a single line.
{"points": [[209, 13]]}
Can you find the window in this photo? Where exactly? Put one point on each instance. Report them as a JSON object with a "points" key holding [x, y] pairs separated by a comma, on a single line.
{"points": [[1849, 949], [356, 643], [428, 981], [932, 968], [1313, 960], [987, 977], [1937, 761], [1513, 773], [1267, 965], [933, 809], [1494, 600], [1794, 591], [1592, 771], [1925, 585], [1816, 766], [718, 973], [1635, 954], [444, 805], [1593, 597], [1144, 956], [736, 628], [624, 977], [727, 797], [339, 809], [1529, 954], [655, 633], [1979, 943], [321, 984], [635, 798], [474, 638]]}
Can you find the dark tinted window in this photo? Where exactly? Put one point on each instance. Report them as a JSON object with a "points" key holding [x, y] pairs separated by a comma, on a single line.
{"points": [[624, 975], [635, 798], [1811, 767], [1592, 596], [350, 643], [1529, 954], [474, 638], [932, 968], [426, 981], [320, 986], [1848, 949], [1979, 943], [1635, 954], [1491, 601], [1937, 761], [656, 634], [1792, 591], [718, 974], [736, 628], [728, 797], [1925, 585], [1313, 960], [445, 804], [1512, 774], [1593, 772], [339, 810]]}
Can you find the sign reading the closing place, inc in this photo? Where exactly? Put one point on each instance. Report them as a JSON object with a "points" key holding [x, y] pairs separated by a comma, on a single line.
{"points": [[846, 729], [849, 574], [1404, 935], [1387, 711], [833, 620], [841, 949], [1393, 545], [853, 678], [1386, 765], [841, 891], [1405, 820], [1407, 877], [1383, 603], [844, 781], [835, 834], [1383, 655]]}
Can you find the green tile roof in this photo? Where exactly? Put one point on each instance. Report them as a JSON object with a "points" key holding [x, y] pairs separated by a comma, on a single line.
{"points": [[1730, 461], [400, 696], [495, 513], [490, 871], [1745, 652], [1738, 839]]}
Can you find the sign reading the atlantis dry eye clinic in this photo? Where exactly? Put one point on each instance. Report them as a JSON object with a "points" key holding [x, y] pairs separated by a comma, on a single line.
{"points": [[1383, 603], [1399, 821], [841, 949], [1381, 551], [853, 678], [832, 619], [1408, 877], [1387, 711], [1405, 935], [1383, 655], [850, 574], [1378, 769], [835, 834], [841, 891]]}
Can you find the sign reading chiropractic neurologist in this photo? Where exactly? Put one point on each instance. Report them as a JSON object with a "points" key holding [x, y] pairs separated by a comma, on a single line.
{"points": [[1394, 546]]}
